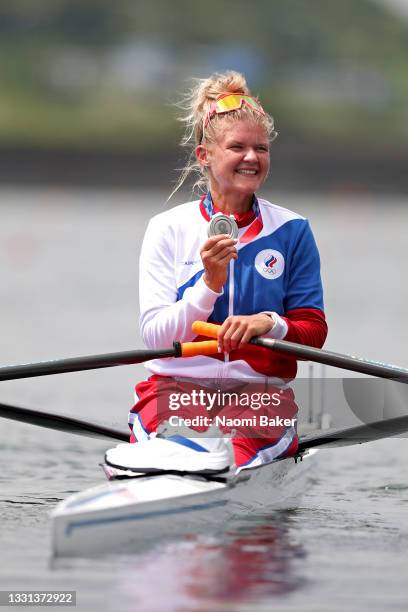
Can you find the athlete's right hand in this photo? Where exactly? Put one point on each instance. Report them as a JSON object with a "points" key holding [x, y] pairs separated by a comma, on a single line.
{"points": [[216, 253]]}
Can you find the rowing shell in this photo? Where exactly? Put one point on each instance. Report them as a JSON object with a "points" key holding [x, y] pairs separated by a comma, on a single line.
{"points": [[122, 514]]}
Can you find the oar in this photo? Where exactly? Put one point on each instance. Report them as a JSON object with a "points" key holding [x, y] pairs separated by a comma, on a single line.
{"points": [[338, 360], [329, 438], [107, 360], [355, 435], [62, 423]]}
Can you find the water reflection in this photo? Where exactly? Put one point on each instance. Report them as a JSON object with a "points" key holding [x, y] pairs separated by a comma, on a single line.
{"points": [[251, 560]]}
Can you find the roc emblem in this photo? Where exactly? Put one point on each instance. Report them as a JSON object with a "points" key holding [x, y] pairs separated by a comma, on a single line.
{"points": [[270, 264]]}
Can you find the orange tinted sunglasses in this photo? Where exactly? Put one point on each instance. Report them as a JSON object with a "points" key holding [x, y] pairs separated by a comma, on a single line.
{"points": [[225, 103]]}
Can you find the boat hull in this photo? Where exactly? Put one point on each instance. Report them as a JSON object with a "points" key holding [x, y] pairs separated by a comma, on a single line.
{"points": [[121, 515]]}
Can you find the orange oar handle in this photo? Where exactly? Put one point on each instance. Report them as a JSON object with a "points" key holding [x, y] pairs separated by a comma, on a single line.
{"points": [[191, 349], [202, 328]]}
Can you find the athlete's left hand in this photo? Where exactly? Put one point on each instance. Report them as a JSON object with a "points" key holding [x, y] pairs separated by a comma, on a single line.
{"points": [[238, 330]]}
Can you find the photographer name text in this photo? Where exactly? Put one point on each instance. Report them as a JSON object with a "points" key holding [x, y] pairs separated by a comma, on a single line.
{"points": [[257, 420]]}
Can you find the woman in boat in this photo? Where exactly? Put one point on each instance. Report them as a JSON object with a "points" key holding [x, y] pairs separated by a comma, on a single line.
{"points": [[264, 283]]}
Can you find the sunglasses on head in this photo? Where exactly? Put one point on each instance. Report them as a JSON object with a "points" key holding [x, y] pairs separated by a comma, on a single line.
{"points": [[225, 103]]}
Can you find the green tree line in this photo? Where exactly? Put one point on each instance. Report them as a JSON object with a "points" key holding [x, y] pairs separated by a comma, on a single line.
{"points": [[105, 74]]}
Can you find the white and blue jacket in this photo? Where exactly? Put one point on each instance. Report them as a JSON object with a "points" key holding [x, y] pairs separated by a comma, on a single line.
{"points": [[277, 270]]}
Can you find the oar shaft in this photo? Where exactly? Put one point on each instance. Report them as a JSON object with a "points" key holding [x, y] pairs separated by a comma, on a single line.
{"points": [[355, 435], [338, 360], [61, 423], [107, 360], [300, 351], [75, 364]]}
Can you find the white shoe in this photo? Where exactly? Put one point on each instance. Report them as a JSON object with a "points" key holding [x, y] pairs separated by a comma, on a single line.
{"points": [[176, 453]]}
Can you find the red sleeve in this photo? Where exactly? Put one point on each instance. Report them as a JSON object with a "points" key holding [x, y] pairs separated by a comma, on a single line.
{"points": [[306, 326]]}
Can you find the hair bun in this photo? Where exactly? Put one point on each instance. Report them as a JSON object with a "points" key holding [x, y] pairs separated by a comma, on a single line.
{"points": [[227, 82]]}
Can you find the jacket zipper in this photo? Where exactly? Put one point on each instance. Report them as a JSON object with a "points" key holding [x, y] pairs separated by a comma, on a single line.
{"points": [[231, 295]]}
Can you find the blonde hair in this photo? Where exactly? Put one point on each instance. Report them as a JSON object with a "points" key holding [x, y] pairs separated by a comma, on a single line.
{"points": [[196, 106]]}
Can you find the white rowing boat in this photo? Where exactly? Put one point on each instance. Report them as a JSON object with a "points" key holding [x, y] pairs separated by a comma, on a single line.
{"points": [[121, 514], [124, 514]]}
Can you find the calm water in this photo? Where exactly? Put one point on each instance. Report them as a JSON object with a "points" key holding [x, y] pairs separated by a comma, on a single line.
{"points": [[68, 264]]}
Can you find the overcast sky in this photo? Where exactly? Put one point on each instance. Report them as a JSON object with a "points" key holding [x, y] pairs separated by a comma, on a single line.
{"points": [[401, 6]]}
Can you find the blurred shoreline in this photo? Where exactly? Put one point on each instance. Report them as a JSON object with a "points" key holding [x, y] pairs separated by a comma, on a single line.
{"points": [[295, 166]]}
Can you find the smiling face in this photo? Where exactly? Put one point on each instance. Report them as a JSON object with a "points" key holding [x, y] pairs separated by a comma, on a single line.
{"points": [[237, 162]]}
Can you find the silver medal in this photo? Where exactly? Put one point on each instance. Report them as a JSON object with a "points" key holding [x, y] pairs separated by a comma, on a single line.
{"points": [[222, 224]]}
